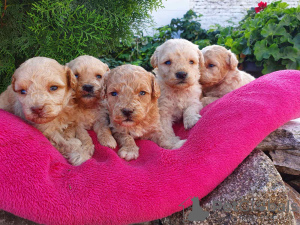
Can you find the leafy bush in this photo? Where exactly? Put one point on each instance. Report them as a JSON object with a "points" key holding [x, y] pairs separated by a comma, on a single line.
{"points": [[140, 50], [64, 30], [270, 38]]}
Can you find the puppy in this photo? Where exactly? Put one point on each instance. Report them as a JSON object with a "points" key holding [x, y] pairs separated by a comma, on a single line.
{"points": [[177, 63], [220, 74], [132, 94], [42, 94], [91, 114]]}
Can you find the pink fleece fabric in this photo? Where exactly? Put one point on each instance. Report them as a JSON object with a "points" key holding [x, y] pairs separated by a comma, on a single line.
{"points": [[38, 184]]}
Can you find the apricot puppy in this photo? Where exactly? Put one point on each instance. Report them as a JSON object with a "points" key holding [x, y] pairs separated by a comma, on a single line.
{"points": [[132, 94], [177, 63], [220, 74], [91, 114], [42, 94]]}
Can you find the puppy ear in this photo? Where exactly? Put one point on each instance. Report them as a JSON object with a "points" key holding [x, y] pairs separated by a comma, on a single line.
{"points": [[201, 59], [232, 60], [155, 87], [72, 81], [13, 80], [103, 94], [154, 59]]}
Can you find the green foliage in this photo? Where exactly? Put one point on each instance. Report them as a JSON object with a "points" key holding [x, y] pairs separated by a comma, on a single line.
{"points": [[270, 38], [140, 50], [56, 35], [64, 30]]}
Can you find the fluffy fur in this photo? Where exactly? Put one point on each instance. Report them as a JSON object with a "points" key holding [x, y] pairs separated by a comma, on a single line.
{"points": [[132, 95], [90, 112], [220, 74], [42, 94], [177, 63]]}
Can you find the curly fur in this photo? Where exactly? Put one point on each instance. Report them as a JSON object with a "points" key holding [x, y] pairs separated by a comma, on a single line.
{"points": [[136, 91], [220, 74]]}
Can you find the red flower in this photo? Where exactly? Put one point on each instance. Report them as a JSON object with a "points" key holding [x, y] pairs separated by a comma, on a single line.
{"points": [[261, 6]]}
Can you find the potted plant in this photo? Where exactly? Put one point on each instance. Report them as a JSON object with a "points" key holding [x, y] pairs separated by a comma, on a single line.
{"points": [[269, 35]]}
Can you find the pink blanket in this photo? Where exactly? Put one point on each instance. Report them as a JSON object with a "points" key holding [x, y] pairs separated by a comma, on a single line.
{"points": [[37, 183]]}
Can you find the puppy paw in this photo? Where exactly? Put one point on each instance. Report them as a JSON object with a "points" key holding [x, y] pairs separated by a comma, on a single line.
{"points": [[179, 144], [190, 121], [73, 144], [108, 141], [77, 158], [88, 149], [129, 153]]}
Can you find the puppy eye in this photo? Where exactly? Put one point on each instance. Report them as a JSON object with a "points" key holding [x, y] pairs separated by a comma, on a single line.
{"points": [[168, 62], [98, 76], [77, 75], [114, 93], [192, 62], [53, 88], [142, 93], [211, 65], [23, 92]]}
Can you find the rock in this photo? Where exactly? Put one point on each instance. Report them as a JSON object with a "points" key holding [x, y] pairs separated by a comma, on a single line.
{"points": [[284, 147], [295, 184], [294, 197], [286, 161], [154, 222], [284, 138], [10, 219], [248, 196]]}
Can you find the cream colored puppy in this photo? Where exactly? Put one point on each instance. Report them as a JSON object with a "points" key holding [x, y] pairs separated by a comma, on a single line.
{"points": [[177, 63], [220, 74], [132, 95], [91, 114], [42, 94]]}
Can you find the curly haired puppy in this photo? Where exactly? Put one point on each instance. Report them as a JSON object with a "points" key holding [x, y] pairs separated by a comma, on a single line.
{"points": [[91, 114], [220, 74], [176, 64], [42, 94], [132, 95]]}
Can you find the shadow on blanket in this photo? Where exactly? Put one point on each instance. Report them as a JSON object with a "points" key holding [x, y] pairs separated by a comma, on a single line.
{"points": [[37, 183]]}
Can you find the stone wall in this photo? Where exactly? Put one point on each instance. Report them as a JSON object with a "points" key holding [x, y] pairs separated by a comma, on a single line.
{"points": [[215, 11]]}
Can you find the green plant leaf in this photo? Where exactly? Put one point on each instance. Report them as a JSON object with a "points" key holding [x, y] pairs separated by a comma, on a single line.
{"points": [[229, 42], [292, 65], [261, 50], [247, 51], [274, 51], [290, 53], [273, 29], [270, 66], [296, 41]]}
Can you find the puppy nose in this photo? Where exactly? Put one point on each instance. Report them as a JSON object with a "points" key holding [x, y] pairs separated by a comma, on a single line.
{"points": [[127, 112], [88, 88], [181, 75], [37, 109]]}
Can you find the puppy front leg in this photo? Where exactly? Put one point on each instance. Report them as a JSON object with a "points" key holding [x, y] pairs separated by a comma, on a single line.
{"points": [[166, 125], [101, 127], [191, 114], [87, 149], [207, 100], [128, 149], [64, 146], [160, 138]]}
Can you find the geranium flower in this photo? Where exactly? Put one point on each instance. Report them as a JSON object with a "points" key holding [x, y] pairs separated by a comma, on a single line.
{"points": [[261, 6]]}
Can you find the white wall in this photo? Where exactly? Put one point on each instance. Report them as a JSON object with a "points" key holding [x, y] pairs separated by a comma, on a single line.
{"points": [[172, 9], [213, 11]]}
